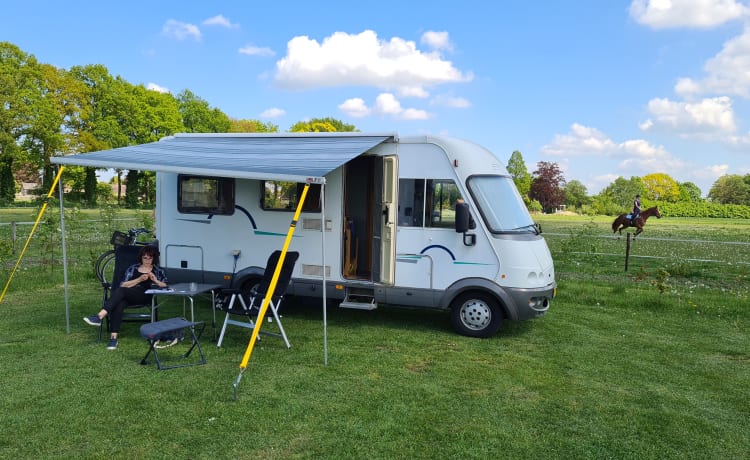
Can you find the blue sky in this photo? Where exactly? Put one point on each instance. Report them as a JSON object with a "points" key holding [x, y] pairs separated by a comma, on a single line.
{"points": [[603, 88]]}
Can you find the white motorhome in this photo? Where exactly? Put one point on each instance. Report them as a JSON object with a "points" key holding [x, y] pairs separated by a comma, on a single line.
{"points": [[423, 221]]}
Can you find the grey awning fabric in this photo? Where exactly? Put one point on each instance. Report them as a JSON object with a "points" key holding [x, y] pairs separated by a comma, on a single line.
{"points": [[298, 157]]}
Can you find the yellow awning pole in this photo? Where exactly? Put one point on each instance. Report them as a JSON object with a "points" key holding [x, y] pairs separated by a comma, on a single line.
{"points": [[33, 229], [271, 289]]}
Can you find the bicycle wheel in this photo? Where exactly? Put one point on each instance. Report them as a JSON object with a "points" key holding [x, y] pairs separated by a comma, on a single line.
{"points": [[105, 266]]}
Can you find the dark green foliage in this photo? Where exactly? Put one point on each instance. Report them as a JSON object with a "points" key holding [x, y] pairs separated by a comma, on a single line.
{"points": [[517, 169], [7, 183], [731, 189], [133, 191], [704, 209], [90, 192], [618, 196]]}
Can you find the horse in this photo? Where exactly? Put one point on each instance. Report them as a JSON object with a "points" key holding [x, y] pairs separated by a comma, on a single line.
{"points": [[622, 221]]}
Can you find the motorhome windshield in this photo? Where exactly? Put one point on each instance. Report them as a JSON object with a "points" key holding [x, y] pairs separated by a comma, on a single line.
{"points": [[501, 205]]}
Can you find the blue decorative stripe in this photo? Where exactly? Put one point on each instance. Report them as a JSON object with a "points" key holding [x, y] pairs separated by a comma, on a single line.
{"points": [[438, 246]]}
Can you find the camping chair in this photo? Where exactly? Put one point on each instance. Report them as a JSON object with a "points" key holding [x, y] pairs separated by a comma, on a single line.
{"points": [[250, 307], [110, 272]]}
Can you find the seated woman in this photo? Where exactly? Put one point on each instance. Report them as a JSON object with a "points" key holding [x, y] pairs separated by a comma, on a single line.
{"points": [[132, 291]]}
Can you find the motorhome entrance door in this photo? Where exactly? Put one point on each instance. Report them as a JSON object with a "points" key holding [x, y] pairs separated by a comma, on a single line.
{"points": [[388, 210], [370, 218]]}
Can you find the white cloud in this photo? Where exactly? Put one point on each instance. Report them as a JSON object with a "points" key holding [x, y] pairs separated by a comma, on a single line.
{"points": [[155, 87], [364, 60], [415, 91], [584, 146], [740, 142], [707, 117], [640, 148], [437, 40], [220, 20], [181, 30], [415, 114], [581, 140], [256, 51], [385, 104], [355, 107], [662, 14], [273, 112], [450, 101], [584, 141], [727, 73], [712, 172]]}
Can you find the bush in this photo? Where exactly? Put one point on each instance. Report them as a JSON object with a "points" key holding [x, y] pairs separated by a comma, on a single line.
{"points": [[535, 206], [704, 209]]}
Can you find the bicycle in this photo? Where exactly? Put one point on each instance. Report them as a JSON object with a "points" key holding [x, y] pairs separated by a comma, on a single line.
{"points": [[104, 266]]}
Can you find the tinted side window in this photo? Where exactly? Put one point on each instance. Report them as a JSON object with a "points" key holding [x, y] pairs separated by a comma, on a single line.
{"points": [[284, 196], [205, 195]]}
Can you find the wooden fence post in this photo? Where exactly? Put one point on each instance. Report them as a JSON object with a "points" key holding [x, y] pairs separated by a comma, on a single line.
{"points": [[13, 235]]}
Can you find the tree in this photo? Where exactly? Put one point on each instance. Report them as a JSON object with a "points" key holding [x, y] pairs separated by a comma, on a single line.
{"points": [[547, 186], [199, 117], [55, 115], [575, 194], [690, 192], [18, 94], [251, 126], [133, 192], [99, 127], [660, 187], [322, 125], [730, 189], [161, 114], [618, 196], [521, 177]]}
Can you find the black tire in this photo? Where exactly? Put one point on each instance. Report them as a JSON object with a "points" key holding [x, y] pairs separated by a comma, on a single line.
{"points": [[476, 314], [249, 284], [105, 266], [248, 287]]}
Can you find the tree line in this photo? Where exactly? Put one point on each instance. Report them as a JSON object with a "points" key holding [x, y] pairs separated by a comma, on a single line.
{"points": [[546, 190], [49, 111]]}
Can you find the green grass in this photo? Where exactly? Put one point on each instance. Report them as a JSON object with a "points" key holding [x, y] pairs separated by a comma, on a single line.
{"points": [[618, 368]]}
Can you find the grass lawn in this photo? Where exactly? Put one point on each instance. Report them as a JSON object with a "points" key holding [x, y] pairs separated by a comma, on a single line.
{"points": [[624, 365]]}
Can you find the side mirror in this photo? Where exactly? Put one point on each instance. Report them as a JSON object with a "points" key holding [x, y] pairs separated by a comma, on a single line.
{"points": [[463, 218], [464, 223]]}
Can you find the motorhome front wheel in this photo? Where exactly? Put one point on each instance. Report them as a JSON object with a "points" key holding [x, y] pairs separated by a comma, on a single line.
{"points": [[476, 314]]}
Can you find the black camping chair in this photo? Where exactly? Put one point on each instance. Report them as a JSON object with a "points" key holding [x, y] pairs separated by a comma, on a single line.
{"points": [[110, 271], [249, 307]]}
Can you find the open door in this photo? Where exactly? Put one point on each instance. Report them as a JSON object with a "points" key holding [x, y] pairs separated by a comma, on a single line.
{"points": [[360, 192], [370, 211], [388, 207]]}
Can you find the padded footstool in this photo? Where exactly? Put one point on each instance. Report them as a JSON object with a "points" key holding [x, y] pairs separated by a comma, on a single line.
{"points": [[170, 329]]}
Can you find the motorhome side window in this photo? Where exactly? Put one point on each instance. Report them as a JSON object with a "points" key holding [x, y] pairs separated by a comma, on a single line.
{"points": [[205, 195], [427, 202], [284, 196]]}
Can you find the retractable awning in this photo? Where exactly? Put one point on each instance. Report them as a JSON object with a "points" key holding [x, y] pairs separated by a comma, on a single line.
{"points": [[297, 157]]}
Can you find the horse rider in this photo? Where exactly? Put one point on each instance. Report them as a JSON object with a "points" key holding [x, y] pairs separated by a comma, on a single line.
{"points": [[636, 208]]}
